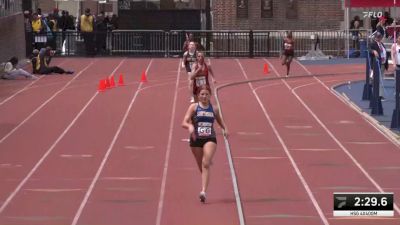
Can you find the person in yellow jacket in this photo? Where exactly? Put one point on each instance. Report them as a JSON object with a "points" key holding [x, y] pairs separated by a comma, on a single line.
{"points": [[36, 23], [41, 61], [86, 27], [37, 30]]}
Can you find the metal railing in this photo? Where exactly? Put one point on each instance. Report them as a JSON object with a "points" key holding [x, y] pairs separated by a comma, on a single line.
{"points": [[243, 43], [10, 7]]}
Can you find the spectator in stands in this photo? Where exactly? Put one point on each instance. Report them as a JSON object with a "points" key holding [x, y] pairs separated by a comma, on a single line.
{"points": [[378, 52], [65, 22], [39, 12], [53, 27], [389, 19], [381, 26], [28, 32], [374, 23], [390, 30], [101, 33], [70, 21], [86, 27], [41, 61], [36, 23], [355, 32], [12, 72], [356, 18], [395, 53], [56, 15], [38, 28], [114, 22]]}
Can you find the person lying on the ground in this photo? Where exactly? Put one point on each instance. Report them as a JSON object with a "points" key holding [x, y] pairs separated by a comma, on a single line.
{"points": [[11, 72], [41, 62]]}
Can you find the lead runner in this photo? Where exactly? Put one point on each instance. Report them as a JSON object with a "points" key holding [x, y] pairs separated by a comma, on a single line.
{"points": [[199, 120]]}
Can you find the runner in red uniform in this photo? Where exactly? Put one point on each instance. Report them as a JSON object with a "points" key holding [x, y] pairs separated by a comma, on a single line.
{"points": [[288, 51], [199, 74]]}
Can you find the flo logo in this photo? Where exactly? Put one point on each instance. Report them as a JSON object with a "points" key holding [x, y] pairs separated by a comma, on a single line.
{"points": [[373, 14]]}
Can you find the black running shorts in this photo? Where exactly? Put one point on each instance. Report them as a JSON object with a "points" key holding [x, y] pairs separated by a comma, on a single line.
{"points": [[201, 142]]}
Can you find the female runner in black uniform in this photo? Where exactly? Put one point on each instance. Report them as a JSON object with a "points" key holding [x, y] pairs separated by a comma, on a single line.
{"points": [[199, 120]]}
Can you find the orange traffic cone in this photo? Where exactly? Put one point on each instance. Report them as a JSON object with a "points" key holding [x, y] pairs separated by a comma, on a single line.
{"points": [[107, 82], [143, 78], [121, 80], [102, 86], [266, 68], [112, 81]]}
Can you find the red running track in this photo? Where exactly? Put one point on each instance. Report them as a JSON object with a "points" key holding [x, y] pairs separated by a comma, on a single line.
{"points": [[71, 155]]}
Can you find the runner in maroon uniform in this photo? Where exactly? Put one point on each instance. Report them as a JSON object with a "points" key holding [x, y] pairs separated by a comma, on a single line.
{"points": [[199, 74], [288, 51], [190, 57]]}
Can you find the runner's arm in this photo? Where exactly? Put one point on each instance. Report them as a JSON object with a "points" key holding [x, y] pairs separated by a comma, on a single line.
{"points": [[195, 70], [187, 120], [184, 59]]}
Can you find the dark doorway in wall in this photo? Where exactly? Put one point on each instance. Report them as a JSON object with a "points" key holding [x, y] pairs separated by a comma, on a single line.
{"points": [[160, 19], [26, 5]]}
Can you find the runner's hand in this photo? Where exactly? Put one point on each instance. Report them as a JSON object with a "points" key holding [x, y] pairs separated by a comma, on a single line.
{"points": [[226, 133]]}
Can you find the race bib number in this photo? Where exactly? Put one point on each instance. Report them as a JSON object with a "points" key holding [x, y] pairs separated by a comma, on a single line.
{"points": [[204, 131], [287, 46], [200, 81], [40, 39]]}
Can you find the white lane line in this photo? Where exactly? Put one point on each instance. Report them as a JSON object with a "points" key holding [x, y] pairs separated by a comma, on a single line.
{"points": [[105, 158], [45, 103], [149, 147], [76, 156], [168, 152], [283, 216], [258, 158], [299, 127], [268, 85], [232, 170], [129, 178], [368, 142], [353, 159], [345, 122], [26, 87], [249, 133], [41, 160], [54, 190], [315, 149], [286, 149]]}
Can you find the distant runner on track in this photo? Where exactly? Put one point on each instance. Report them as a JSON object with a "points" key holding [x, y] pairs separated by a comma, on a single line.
{"points": [[189, 58], [288, 51]]}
